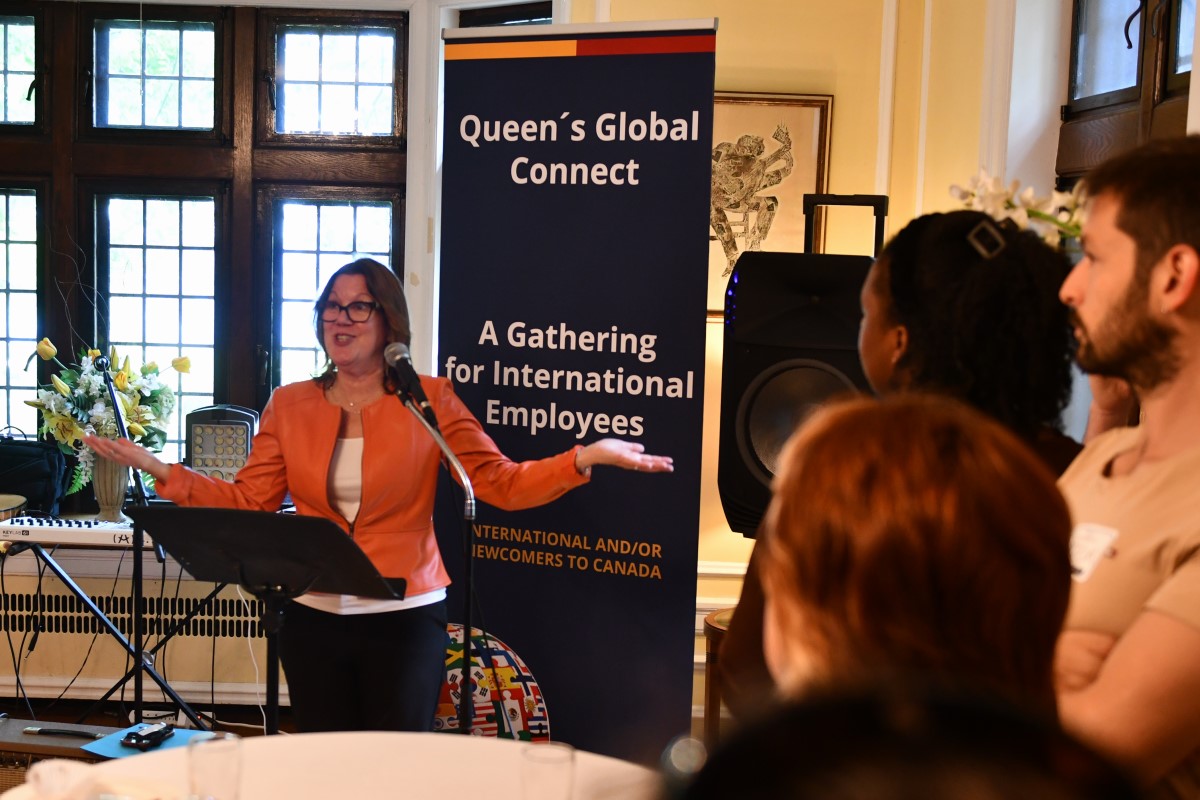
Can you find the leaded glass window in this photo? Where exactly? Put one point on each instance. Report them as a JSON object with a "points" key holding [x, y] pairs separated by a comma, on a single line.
{"points": [[17, 70], [160, 257], [154, 74], [335, 80], [317, 238], [19, 324]]}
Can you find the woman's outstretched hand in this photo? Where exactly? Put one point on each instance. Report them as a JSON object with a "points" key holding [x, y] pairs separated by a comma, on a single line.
{"points": [[623, 454], [131, 454]]}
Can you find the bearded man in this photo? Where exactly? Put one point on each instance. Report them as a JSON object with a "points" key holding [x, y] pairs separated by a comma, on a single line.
{"points": [[1128, 661]]}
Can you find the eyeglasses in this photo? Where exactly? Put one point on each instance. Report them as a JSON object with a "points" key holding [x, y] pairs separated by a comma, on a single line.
{"points": [[358, 311]]}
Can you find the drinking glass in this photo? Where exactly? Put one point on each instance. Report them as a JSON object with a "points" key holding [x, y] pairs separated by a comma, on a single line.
{"points": [[547, 770], [214, 766]]}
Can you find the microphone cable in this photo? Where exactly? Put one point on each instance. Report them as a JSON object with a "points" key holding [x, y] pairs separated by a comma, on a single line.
{"points": [[458, 494]]}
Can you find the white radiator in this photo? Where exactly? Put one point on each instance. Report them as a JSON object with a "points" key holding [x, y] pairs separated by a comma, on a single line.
{"points": [[218, 656]]}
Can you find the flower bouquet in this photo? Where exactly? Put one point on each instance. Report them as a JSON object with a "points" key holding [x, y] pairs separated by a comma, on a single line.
{"points": [[1053, 218], [77, 402]]}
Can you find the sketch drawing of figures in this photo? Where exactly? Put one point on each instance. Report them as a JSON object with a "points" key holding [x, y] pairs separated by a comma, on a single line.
{"points": [[740, 172]]}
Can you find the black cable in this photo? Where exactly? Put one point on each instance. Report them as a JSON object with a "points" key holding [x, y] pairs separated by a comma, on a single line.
{"points": [[159, 647], [212, 667], [112, 593], [174, 604], [489, 663], [128, 655], [38, 620], [20, 687]]}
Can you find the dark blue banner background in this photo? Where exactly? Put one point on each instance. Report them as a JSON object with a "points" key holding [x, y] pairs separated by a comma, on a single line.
{"points": [[612, 652]]}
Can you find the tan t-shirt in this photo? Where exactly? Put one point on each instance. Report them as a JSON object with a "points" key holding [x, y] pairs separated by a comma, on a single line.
{"points": [[1136, 546]]}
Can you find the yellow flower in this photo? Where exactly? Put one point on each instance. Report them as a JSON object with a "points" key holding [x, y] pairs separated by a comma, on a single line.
{"points": [[121, 380], [125, 366], [149, 367], [93, 354], [46, 350], [112, 354], [135, 429], [65, 429], [183, 365], [35, 403], [61, 387]]}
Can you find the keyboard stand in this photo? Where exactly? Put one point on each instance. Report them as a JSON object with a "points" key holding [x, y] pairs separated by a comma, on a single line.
{"points": [[134, 652], [162, 641]]}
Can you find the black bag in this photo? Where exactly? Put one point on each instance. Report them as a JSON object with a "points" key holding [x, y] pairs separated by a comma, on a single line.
{"points": [[34, 469]]}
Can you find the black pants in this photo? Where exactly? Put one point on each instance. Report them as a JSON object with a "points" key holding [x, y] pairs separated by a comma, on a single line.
{"points": [[364, 671]]}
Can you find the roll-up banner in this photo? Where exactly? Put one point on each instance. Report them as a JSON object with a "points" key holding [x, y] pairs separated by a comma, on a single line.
{"points": [[574, 242]]}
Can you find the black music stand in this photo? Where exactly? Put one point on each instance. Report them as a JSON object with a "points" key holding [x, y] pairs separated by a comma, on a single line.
{"points": [[274, 556]]}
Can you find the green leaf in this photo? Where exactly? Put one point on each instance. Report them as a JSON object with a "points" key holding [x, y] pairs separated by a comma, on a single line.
{"points": [[154, 439], [81, 409], [78, 480]]}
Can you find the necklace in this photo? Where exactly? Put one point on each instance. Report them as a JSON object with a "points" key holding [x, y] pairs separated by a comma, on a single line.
{"points": [[353, 404]]}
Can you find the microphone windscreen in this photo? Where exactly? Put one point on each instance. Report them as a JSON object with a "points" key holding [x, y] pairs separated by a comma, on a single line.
{"points": [[101, 363], [396, 352]]}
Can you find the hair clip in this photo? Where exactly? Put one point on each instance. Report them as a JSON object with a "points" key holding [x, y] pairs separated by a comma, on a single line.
{"points": [[987, 239]]}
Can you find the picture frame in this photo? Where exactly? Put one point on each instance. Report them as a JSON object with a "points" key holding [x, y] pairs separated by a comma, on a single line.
{"points": [[769, 150]]}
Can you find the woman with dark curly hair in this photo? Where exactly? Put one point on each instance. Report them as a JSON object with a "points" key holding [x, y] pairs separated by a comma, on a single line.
{"points": [[960, 305]]}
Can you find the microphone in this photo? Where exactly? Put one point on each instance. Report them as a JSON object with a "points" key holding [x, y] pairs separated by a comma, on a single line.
{"points": [[101, 363], [397, 357]]}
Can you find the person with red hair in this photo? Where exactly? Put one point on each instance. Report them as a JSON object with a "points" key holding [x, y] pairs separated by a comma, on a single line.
{"points": [[914, 538]]}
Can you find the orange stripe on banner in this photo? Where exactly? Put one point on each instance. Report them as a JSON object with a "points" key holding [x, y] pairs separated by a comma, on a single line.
{"points": [[706, 43], [480, 50]]}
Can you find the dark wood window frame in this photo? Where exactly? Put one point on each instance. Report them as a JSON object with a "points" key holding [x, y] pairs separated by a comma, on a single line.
{"points": [[91, 190], [42, 88], [270, 22], [222, 89], [70, 162], [1096, 128]]}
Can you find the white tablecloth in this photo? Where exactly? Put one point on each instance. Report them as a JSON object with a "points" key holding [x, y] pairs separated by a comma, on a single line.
{"points": [[362, 766]]}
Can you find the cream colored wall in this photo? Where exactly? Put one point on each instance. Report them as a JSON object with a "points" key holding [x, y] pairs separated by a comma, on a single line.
{"points": [[808, 47], [954, 100], [801, 48]]}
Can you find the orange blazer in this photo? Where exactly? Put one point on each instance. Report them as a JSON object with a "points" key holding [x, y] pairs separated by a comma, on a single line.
{"points": [[394, 527]]}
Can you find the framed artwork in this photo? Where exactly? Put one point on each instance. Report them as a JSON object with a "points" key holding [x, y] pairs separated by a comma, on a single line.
{"points": [[769, 150]]}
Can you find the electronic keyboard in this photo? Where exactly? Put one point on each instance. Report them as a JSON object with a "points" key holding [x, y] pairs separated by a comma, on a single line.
{"points": [[51, 531]]}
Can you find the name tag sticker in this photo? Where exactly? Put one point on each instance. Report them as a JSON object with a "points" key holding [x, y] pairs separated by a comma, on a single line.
{"points": [[1089, 543]]}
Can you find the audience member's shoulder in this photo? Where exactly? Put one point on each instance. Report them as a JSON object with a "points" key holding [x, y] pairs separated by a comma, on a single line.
{"points": [[1101, 449], [888, 744]]}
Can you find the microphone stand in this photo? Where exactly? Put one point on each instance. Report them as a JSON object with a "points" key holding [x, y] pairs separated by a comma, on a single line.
{"points": [[139, 490], [466, 711]]}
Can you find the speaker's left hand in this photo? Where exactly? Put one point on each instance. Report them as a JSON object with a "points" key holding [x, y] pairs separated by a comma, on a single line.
{"points": [[623, 454]]}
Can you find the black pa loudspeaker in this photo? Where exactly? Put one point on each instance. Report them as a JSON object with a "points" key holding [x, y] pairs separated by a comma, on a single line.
{"points": [[790, 344]]}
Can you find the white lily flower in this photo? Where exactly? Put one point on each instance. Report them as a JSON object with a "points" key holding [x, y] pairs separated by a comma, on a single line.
{"points": [[1053, 218]]}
